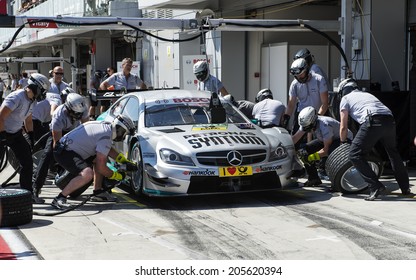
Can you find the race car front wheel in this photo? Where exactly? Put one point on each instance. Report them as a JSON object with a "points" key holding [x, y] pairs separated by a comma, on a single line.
{"points": [[343, 175], [136, 180]]}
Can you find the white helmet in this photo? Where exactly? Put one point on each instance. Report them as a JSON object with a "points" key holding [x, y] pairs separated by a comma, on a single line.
{"points": [[308, 118], [121, 126], [263, 94], [75, 104], [201, 70], [298, 67], [39, 85], [346, 86]]}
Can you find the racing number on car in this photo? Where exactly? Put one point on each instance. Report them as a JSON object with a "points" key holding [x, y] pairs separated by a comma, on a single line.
{"points": [[234, 171]]}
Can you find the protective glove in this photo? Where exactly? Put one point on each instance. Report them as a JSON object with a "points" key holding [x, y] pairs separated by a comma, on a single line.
{"points": [[122, 159], [314, 157], [285, 122], [119, 176], [31, 139]]}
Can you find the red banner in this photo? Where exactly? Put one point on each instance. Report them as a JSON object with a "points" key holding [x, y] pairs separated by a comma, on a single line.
{"points": [[34, 24], [3, 7]]}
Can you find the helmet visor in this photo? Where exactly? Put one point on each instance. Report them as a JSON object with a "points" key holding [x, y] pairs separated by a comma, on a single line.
{"points": [[201, 76], [121, 132]]}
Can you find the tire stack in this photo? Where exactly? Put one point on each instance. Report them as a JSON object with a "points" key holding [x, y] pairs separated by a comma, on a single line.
{"points": [[15, 207]]}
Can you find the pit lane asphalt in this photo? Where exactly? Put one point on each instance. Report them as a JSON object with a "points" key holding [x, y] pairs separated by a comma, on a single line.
{"points": [[87, 234]]}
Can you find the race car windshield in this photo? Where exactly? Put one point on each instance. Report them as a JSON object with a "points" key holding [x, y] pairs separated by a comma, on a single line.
{"points": [[185, 114]]}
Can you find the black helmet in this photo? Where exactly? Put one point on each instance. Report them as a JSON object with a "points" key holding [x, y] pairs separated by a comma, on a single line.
{"points": [[298, 67], [121, 126], [306, 54], [39, 85], [346, 86], [263, 94], [201, 70]]}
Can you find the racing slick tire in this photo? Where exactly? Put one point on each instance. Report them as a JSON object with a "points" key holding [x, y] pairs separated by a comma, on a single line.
{"points": [[16, 207], [62, 179], [343, 175], [136, 180]]}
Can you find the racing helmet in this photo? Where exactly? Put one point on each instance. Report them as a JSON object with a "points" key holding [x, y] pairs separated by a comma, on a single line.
{"points": [[65, 92], [308, 118], [306, 54], [346, 86], [39, 85], [263, 94], [201, 70], [298, 67], [75, 104], [121, 126]]}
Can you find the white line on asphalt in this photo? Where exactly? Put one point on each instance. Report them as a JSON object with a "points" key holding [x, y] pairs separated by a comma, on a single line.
{"points": [[332, 238]]}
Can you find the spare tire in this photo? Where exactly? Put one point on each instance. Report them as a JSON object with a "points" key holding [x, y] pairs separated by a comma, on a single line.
{"points": [[15, 207], [343, 175]]}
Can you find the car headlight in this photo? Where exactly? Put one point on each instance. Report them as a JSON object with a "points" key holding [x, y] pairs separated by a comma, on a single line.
{"points": [[278, 153], [172, 157]]}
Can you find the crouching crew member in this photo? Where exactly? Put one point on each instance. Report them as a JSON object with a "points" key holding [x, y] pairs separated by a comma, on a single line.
{"points": [[65, 118], [91, 141], [325, 131]]}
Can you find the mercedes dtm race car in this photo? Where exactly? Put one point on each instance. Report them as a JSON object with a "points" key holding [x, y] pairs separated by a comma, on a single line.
{"points": [[181, 148]]}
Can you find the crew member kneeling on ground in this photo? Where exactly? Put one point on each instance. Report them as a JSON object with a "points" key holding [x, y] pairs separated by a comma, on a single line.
{"points": [[65, 118], [325, 132], [91, 141]]}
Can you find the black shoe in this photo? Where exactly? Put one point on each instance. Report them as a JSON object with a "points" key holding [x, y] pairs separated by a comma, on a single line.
{"points": [[406, 192], [375, 193]]}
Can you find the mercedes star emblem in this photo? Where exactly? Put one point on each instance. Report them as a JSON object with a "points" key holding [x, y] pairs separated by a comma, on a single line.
{"points": [[235, 158]]}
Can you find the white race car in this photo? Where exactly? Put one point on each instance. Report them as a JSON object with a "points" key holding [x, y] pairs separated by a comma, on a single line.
{"points": [[184, 146]]}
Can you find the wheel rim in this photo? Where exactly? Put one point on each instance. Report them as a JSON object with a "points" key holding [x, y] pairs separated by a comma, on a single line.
{"points": [[352, 181], [137, 178]]}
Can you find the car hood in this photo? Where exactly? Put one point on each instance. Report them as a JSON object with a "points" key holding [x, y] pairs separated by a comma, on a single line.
{"points": [[192, 139]]}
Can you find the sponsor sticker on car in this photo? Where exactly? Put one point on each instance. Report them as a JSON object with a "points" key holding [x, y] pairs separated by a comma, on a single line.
{"points": [[235, 171], [210, 127]]}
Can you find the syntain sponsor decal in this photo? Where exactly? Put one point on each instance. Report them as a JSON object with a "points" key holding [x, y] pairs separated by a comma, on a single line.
{"points": [[268, 168], [200, 173], [223, 138]]}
